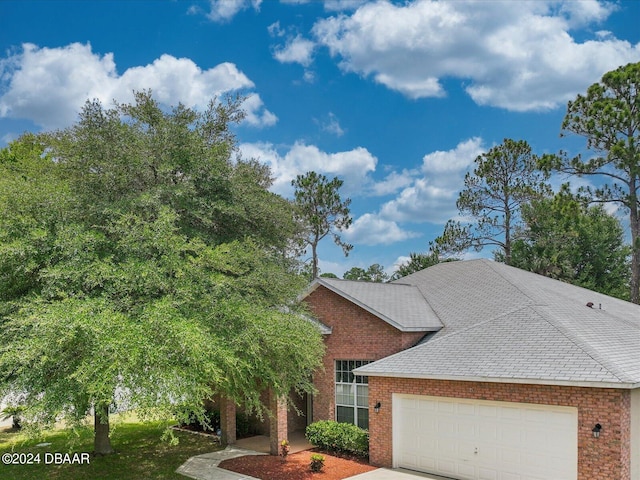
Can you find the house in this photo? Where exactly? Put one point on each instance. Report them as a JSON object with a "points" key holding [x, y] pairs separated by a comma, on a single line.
{"points": [[478, 370]]}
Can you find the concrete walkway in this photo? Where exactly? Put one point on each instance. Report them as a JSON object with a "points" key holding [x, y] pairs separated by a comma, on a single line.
{"points": [[205, 467]]}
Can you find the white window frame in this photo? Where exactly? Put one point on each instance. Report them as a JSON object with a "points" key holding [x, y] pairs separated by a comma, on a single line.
{"points": [[352, 391]]}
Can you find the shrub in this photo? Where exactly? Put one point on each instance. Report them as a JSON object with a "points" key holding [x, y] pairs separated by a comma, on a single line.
{"points": [[339, 437], [13, 412], [284, 449], [317, 462]]}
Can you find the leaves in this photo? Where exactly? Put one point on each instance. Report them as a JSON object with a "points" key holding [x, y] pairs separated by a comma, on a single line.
{"points": [[608, 116], [375, 273], [505, 178], [570, 241], [321, 211], [141, 267]]}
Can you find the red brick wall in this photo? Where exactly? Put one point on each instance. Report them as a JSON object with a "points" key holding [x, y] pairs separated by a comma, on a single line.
{"points": [[356, 335], [607, 457]]}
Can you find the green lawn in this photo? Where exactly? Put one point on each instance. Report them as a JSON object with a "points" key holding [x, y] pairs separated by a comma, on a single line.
{"points": [[140, 454]]}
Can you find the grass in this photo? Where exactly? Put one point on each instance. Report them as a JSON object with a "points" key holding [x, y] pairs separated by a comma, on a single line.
{"points": [[140, 453]]}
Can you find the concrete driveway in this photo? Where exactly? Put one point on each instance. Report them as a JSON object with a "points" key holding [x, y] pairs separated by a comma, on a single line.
{"points": [[394, 474], [205, 467]]}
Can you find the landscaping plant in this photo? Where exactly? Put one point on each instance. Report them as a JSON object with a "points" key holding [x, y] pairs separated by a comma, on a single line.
{"points": [[284, 449], [317, 462], [339, 437]]}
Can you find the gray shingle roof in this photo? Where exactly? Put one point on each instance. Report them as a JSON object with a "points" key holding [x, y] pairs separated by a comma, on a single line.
{"points": [[402, 306], [506, 324]]}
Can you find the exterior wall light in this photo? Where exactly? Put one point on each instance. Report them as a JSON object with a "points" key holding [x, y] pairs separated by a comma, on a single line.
{"points": [[376, 407], [596, 430]]}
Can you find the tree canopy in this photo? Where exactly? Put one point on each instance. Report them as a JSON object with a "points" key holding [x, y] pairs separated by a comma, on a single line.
{"points": [[419, 261], [504, 178], [608, 116], [568, 240], [141, 267], [321, 212], [375, 273]]}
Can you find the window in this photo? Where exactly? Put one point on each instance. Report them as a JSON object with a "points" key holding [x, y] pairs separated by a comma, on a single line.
{"points": [[352, 393]]}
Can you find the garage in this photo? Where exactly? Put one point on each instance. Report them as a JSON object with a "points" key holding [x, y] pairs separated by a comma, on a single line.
{"points": [[484, 440]]}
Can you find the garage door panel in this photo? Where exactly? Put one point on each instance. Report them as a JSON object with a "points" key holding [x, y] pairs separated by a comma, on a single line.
{"points": [[483, 440], [466, 471], [510, 436], [484, 474]]}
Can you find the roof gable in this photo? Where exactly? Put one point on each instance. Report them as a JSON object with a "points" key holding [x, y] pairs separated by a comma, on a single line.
{"points": [[401, 306]]}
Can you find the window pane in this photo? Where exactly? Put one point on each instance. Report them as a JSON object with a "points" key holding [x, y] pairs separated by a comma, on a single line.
{"points": [[363, 396], [345, 414], [363, 418], [344, 394]]}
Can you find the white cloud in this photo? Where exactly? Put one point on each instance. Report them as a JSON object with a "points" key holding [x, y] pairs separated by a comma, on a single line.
{"points": [[428, 193], [309, 76], [297, 50], [586, 11], [370, 229], [49, 85], [393, 182], [257, 115], [224, 10], [514, 55], [340, 5], [452, 161], [275, 30], [432, 196], [332, 125], [352, 166]]}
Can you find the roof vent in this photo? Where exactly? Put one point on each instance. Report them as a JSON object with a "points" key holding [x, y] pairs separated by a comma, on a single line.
{"points": [[590, 304]]}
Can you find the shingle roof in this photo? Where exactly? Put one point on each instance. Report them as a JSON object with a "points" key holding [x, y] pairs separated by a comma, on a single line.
{"points": [[506, 324], [402, 306]]}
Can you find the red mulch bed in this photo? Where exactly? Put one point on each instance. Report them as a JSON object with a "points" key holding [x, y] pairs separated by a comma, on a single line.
{"points": [[296, 466]]}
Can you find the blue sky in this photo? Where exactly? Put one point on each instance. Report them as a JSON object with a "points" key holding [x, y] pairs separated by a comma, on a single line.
{"points": [[395, 98]]}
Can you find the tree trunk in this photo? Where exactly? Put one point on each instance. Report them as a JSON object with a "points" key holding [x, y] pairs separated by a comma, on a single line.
{"points": [[101, 440], [314, 255], [635, 252]]}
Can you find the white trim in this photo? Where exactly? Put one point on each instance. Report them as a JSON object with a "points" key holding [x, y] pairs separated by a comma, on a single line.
{"points": [[532, 381]]}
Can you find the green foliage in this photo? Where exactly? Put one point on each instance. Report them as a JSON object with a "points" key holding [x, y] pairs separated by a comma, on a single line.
{"points": [[570, 241], [375, 273], [339, 437], [608, 116], [321, 212], [419, 261], [317, 462], [199, 420], [13, 412], [328, 275], [136, 270], [505, 178]]}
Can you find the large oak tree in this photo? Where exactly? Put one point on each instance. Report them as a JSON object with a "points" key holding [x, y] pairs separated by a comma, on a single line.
{"points": [[141, 268]]}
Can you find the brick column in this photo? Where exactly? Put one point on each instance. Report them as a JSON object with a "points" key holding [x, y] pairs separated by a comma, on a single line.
{"points": [[228, 421], [278, 429]]}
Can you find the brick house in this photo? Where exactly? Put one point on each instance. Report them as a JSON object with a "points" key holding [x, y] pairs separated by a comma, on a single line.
{"points": [[477, 370]]}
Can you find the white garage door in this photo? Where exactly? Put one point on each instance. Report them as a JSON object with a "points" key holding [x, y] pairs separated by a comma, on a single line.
{"points": [[482, 440]]}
